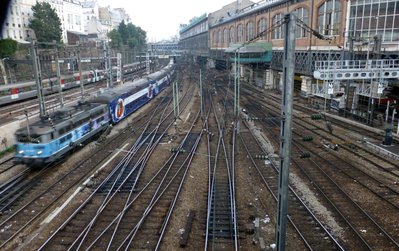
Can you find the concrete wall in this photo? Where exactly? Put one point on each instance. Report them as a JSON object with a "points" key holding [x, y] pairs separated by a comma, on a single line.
{"points": [[7, 132]]}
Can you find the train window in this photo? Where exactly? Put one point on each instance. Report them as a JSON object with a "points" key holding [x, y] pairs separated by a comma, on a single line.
{"points": [[22, 138], [35, 138], [65, 138]]}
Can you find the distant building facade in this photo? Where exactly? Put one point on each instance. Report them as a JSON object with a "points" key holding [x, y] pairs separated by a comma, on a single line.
{"points": [[16, 24], [329, 34], [79, 18], [194, 36]]}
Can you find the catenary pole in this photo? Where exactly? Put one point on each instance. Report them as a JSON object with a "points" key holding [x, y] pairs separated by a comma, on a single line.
{"points": [[38, 78], [201, 94], [58, 76], [81, 80], [286, 127]]}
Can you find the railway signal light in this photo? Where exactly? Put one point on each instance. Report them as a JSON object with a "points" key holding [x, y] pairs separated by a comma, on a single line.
{"points": [[317, 116], [305, 155], [307, 138], [177, 150], [249, 118], [261, 156]]}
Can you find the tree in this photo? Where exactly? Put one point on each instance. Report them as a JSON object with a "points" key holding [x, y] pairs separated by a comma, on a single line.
{"points": [[123, 32], [45, 23], [8, 47], [129, 35], [116, 39]]}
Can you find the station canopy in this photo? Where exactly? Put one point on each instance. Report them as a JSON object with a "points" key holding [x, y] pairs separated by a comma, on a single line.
{"points": [[251, 53]]}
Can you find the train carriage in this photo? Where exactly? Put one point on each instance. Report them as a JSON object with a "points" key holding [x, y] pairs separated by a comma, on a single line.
{"points": [[49, 139], [124, 100], [17, 92]]}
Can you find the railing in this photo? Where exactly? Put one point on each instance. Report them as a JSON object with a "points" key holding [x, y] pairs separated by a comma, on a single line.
{"points": [[357, 64]]}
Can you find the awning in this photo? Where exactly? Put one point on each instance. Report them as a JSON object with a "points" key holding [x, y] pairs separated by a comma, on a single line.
{"points": [[77, 33]]}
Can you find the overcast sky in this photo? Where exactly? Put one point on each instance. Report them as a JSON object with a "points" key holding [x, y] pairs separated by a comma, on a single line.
{"points": [[161, 18]]}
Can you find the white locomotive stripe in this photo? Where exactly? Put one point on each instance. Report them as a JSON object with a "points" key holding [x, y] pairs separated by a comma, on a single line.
{"points": [[59, 209], [135, 96]]}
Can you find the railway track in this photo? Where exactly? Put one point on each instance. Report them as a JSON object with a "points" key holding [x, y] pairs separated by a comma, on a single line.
{"points": [[53, 191], [346, 208], [7, 164], [313, 233], [380, 164], [147, 203], [222, 229]]}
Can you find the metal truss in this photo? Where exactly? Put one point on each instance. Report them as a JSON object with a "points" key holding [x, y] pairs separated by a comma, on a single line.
{"points": [[356, 69], [372, 90], [305, 60], [325, 89]]}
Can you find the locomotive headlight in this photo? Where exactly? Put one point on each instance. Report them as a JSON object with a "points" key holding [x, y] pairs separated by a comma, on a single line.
{"points": [[21, 152], [39, 152]]}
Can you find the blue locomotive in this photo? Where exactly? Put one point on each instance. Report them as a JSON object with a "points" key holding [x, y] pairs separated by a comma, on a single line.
{"points": [[49, 139]]}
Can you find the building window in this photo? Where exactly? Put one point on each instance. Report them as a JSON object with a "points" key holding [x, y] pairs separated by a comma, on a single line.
{"points": [[329, 17], [368, 19], [226, 36], [214, 38], [302, 14], [220, 41], [232, 35], [77, 20], [262, 28], [278, 29], [250, 31], [240, 34]]}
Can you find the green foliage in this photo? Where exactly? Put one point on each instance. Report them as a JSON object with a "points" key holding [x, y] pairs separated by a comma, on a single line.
{"points": [[45, 23], [7, 151], [8, 47], [129, 35], [122, 29], [116, 39]]}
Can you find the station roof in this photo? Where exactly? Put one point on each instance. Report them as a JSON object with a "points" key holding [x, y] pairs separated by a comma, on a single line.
{"points": [[251, 53], [257, 47]]}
